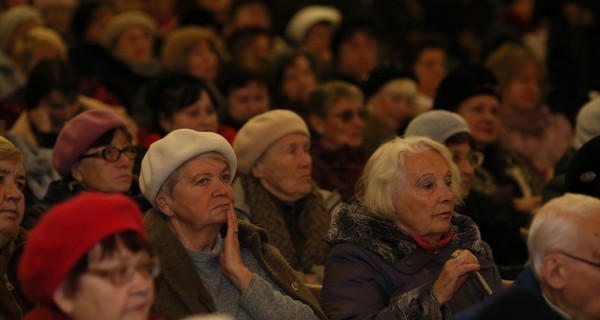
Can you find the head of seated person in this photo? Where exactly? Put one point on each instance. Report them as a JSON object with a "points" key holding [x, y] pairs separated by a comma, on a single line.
{"points": [[94, 149], [106, 273]]}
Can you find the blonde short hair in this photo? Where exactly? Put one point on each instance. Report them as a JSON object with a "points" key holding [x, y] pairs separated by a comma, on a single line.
{"points": [[37, 39], [508, 60], [323, 96], [385, 173], [8, 151]]}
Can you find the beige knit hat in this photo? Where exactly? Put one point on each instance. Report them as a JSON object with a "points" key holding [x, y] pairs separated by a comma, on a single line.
{"points": [[438, 125], [261, 132], [168, 153], [124, 20]]}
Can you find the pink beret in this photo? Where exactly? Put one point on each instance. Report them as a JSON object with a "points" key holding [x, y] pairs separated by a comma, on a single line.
{"points": [[67, 232], [78, 135]]}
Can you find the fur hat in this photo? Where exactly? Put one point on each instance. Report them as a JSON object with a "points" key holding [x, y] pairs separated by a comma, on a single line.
{"points": [[439, 125], [465, 82], [587, 122], [78, 135], [261, 132], [307, 17], [124, 20], [11, 19], [66, 233], [170, 152], [583, 173]]}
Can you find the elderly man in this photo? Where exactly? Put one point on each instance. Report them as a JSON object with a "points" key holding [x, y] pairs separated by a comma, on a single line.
{"points": [[12, 237], [274, 188], [562, 280]]}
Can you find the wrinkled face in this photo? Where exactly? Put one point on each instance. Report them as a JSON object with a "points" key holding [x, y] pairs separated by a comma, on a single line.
{"points": [[134, 45], [101, 175], [461, 155], [285, 168], [524, 91], [96, 297], [344, 124], [12, 205], [203, 62], [482, 113], [203, 194], [358, 55], [246, 102], [577, 296], [430, 68], [298, 79], [425, 202], [200, 116]]}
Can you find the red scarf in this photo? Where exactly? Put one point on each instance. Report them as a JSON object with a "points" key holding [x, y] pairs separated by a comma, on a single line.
{"points": [[434, 246]]}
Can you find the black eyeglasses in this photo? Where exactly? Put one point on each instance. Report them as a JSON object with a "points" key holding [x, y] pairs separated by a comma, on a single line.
{"points": [[123, 274], [475, 158], [112, 153], [586, 261], [347, 115]]}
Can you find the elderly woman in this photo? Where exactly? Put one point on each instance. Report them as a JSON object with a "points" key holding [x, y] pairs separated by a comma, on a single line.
{"points": [[275, 189], [88, 259], [12, 237], [92, 152], [212, 262], [402, 252], [337, 114]]}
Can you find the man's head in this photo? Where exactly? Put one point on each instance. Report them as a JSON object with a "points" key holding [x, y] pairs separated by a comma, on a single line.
{"points": [[564, 248], [12, 182]]}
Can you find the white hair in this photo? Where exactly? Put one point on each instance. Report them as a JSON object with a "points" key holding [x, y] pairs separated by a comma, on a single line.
{"points": [[556, 226]]}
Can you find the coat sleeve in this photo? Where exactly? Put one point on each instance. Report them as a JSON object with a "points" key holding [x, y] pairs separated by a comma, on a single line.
{"points": [[356, 288]]}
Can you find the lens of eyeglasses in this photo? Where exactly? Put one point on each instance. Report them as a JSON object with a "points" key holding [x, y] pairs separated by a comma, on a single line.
{"points": [[122, 275], [112, 153], [476, 158]]}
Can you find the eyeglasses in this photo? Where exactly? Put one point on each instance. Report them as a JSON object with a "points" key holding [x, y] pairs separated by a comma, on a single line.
{"points": [[475, 158], [123, 274], [347, 115], [112, 153], [586, 261]]}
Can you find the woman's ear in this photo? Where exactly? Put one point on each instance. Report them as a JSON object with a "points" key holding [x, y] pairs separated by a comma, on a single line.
{"points": [[163, 201], [76, 172], [317, 123], [63, 300]]}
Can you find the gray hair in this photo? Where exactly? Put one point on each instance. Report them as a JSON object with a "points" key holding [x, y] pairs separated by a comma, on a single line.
{"points": [[555, 226], [385, 173]]}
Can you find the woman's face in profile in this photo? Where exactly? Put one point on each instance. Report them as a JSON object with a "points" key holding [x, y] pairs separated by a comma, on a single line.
{"points": [[425, 202], [115, 287]]}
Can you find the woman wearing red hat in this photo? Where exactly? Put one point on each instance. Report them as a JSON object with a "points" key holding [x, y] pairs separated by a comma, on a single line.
{"points": [[106, 273]]}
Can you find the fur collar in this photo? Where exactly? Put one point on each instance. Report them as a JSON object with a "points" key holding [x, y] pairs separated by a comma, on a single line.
{"points": [[355, 224]]}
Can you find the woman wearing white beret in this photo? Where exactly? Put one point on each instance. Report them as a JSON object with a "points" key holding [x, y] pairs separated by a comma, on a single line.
{"points": [[210, 261]]}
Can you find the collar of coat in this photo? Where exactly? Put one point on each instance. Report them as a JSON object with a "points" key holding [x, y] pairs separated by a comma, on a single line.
{"points": [[354, 224]]}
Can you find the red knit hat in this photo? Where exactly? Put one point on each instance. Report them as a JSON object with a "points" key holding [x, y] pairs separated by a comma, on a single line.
{"points": [[67, 232], [78, 135]]}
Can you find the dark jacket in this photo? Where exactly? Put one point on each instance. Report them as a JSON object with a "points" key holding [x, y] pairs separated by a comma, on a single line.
{"points": [[179, 289], [375, 271], [13, 304]]}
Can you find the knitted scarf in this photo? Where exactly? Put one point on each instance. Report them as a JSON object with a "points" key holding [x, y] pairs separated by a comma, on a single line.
{"points": [[312, 221]]}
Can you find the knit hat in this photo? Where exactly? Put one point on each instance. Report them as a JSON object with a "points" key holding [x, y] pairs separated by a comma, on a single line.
{"points": [[465, 82], [45, 4], [385, 73], [124, 20], [438, 125], [170, 152], [66, 233], [586, 123], [78, 135], [11, 19], [307, 17], [583, 173]]}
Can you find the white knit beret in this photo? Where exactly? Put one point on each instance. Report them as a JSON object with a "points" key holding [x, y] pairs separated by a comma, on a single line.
{"points": [[261, 132], [177, 147], [587, 123], [438, 125], [307, 17]]}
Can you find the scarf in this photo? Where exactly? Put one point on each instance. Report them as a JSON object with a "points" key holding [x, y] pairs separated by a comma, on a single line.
{"points": [[312, 222], [434, 246]]}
